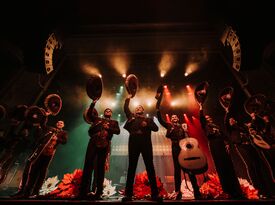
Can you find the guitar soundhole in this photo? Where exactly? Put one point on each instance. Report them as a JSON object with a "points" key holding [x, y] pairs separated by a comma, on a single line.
{"points": [[189, 146]]}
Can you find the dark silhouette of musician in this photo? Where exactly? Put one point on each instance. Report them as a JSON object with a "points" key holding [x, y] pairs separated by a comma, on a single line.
{"points": [[269, 137], [139, 128], [101, 133], [19, 137], [250, 155], [37, 164], [176, 132], [222, 160]]}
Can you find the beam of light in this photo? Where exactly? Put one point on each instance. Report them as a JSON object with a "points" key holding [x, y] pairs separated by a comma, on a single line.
{"points": [[185, 118], [121, 89], [167, 117], [167, 94], [189, 90], [120, 62], [192, 103], [90, 70], [167, 61], [196, 61], [191, 68]]}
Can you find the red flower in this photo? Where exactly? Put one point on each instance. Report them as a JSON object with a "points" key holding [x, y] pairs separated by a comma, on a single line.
{"points": [[69, 186], [213, 189], [141, 188]]}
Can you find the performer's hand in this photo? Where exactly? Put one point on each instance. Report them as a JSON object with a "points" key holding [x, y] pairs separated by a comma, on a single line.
{"points": [[200, 106], [227, 110], [227, 147], [129, 96]]}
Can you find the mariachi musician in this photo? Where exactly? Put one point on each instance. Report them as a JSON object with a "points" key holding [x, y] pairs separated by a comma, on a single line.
{"points": [[139, 128], [101, 133], [248, 153], [216, 143], [176, 132], [15, 138], [36, 166]]}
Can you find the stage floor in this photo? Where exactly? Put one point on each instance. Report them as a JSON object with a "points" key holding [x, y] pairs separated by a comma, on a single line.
{"points": [[118, 201]]}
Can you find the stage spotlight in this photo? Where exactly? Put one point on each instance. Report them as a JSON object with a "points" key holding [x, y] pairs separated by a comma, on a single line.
{"points": [[149, 103], [186, 74], [113, 104], [167, 61], [165, 86], [100, 75], [124, 75], [173, 103]]}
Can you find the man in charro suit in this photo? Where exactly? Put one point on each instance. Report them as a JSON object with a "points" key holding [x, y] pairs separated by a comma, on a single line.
{"points": [[140, 128], [255, 165], [217, 142], [176, 132], [38, 163], [101, 133]]}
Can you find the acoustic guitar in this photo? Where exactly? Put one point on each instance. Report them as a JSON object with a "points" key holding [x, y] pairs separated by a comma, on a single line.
{"points": [[191, 158], [257, 139]]}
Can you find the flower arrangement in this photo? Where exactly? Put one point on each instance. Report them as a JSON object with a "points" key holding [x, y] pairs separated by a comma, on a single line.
{"points": [[69, 186], [186, 190], [212, 188], [249, 191], [49, 185], [141, 187], [108, 189]]}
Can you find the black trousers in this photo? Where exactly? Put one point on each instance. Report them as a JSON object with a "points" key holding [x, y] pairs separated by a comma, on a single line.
{"points": [[256, 168], [135, 148], [37, 174], [270, 157], [177, 168], [92, 153], [224, 167]]}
